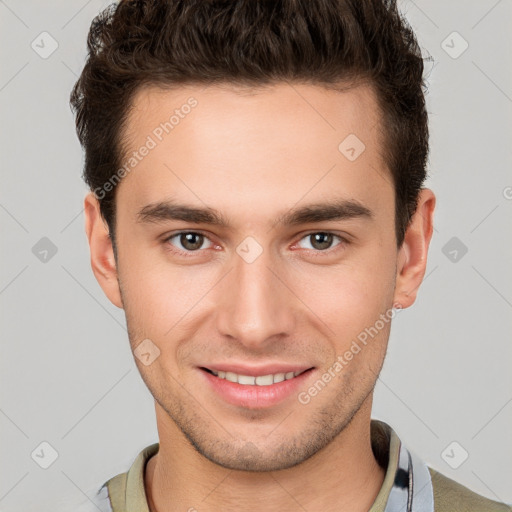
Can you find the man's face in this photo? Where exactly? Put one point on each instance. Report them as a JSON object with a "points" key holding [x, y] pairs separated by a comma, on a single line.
{"points": [[258, 295]]}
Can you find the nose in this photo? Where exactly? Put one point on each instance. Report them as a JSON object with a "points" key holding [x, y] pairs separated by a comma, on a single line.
{"points": [[255, 305]]}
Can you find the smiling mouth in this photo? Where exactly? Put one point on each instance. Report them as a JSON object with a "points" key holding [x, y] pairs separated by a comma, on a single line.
{"points": [[260, 380]]}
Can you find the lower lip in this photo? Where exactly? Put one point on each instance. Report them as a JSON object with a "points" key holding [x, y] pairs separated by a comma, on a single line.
{"points": [[255, 397]]}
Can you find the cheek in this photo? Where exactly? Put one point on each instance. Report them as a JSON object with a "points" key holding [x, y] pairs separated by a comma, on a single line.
{"points": [[158, 294], [349, 296]]}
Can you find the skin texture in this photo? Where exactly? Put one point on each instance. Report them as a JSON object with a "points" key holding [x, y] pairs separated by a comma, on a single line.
{"points": [[255, 155]]}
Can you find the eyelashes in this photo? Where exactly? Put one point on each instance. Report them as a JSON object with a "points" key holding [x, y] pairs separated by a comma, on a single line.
{"points": [[192, 242], [183, 237]]}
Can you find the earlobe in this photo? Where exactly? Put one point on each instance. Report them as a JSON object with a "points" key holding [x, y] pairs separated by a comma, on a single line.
{"points": [[412, 257], [102, 253]]}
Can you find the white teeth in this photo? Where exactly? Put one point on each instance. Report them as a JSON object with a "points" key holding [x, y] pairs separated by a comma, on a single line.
{"points": [[246, 379], [260, 380], [232, 377], [263, 380]]}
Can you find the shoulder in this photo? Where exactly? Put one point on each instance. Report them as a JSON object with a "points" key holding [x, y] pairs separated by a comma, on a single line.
{"points": [[116, 491], [126, 490], [450, 496]]}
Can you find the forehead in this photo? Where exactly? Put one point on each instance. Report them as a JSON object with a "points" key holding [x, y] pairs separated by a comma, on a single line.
{"points": [[248, 109], [265, 145]]}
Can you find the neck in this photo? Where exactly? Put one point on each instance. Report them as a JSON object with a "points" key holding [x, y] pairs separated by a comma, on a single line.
{"points": [[342, 476]]}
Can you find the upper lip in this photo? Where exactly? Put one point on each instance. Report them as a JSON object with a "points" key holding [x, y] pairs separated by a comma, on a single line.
{"points": [[255, 371]]}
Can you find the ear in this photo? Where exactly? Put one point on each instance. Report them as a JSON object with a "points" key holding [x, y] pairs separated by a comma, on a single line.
{"points": [[102, 253], [412, 257]]}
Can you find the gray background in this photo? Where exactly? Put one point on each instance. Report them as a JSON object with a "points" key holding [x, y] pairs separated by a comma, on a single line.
{"points": [[67, 374]]}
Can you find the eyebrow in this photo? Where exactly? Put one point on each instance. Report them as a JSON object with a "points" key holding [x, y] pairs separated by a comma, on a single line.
{"points": [[342, 209]]}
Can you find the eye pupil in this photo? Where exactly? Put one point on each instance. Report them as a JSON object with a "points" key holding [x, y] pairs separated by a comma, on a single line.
{"points": [[321, 240], [187, 241]]}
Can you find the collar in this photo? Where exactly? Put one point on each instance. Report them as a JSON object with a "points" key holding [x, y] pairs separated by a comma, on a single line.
{"points": [[407, 485]]}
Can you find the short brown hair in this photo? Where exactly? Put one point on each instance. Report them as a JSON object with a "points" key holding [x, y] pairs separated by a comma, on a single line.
{"points": [[253, 42]]}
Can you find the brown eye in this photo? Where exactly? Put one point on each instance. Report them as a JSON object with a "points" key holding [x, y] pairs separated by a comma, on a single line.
{"points": [[321, 240], [189, 241]]}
